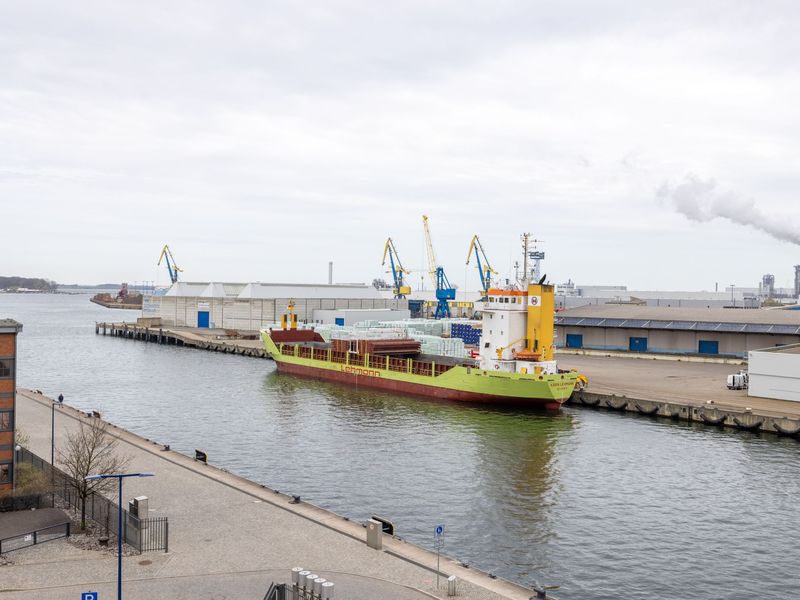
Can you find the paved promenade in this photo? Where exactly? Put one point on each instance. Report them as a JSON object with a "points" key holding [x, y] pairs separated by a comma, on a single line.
{"points": [[229, 538]]}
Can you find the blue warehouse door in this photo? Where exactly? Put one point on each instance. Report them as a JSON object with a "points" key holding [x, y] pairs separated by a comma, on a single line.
{"points": [[708, 347], [574, 340], [202, 318], [637, 344]]}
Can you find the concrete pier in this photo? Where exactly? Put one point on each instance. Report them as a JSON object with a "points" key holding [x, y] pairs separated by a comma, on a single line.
{"points": [[688, 391], [214, 340], [229, 538]]}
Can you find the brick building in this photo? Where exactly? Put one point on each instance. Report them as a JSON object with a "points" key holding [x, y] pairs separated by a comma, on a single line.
{"points": [[8, 371]]}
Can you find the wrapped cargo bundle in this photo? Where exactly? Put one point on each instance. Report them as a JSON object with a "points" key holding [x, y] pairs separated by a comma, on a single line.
{"points": [[439, 346], [382, 347]]}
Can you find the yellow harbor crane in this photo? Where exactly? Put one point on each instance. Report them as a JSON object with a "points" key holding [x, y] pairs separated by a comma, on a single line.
{"points": [[485, 269], [172, 266], [444, 291], [401, 290]]}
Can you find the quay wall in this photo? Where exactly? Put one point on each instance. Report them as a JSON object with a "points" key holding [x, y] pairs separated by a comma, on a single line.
{"points": [[709, 413]]}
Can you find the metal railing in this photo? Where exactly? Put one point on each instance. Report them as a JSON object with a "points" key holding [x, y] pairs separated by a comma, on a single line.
{"points": [[145, 535], [31, 538]]}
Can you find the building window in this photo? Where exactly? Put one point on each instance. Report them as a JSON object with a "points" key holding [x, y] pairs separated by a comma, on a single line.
{"points": [[5, 473], [6, 367], [6, 423]]}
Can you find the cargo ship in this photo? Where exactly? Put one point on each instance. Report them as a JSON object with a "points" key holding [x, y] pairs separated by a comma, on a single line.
{"points": [[516, 363]]}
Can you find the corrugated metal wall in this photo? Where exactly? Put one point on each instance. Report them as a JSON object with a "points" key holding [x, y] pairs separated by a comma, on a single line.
{"points": [[673, 342]]}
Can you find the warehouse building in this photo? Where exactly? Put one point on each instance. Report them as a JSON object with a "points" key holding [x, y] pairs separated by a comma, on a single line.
{"points": [[251, 306], [775, 373], [711, 331]]}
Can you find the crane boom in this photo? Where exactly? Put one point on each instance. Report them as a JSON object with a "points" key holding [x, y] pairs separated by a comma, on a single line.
{"points": [[398, 271], [432, 264], [172, 267]]}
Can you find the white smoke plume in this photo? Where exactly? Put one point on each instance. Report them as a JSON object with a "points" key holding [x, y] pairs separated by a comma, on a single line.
{"points": [[702, 201]]}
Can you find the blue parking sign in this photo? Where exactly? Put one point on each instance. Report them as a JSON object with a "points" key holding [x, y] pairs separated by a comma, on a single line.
{"points": [[89, 596]]}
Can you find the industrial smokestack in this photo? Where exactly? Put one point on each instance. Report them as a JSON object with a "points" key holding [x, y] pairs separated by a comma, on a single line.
{"points": [[768, 285], [702, 201], [330, 273]]}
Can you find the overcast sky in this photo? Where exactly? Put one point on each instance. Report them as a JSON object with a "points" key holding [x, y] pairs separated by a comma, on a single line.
{"points": [[263, 139]]}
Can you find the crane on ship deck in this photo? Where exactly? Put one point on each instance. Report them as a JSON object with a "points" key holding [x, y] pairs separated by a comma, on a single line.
{"points": [[172, 266], [444, 291], [485, 269], [401, 290]]}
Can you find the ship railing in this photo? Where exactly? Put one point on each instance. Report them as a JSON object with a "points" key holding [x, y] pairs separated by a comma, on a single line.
{"points": [[389, 363]]}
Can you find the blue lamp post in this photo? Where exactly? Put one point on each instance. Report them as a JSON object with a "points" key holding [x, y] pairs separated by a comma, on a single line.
{"points": [[119, 477]]}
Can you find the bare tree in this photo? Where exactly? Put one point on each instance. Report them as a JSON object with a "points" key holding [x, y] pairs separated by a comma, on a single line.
{"points": [[91, 451]]}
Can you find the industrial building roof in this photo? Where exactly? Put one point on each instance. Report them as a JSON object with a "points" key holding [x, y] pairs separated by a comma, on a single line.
{"points": [[185, 288], [696, 319], [307, 290], [247, 291]]}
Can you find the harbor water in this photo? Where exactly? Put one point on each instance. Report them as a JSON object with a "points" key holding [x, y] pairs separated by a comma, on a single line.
{"points": [[604, 505]]}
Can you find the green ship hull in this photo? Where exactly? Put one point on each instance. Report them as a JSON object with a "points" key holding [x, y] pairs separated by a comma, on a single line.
{"points": [[444, 381]]}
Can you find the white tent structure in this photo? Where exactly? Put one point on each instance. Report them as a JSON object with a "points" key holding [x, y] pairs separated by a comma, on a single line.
{"points": [[251, 306]]}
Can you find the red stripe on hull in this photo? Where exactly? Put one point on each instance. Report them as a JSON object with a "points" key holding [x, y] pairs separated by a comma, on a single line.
{"points": [[417, 389]]}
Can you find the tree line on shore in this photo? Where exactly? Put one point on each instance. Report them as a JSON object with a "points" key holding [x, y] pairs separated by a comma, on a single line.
{"points": [[30, 283]]}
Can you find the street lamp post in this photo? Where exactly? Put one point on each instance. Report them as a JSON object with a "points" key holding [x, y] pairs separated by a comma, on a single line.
{"points": [[53, 436], [119, 477]]}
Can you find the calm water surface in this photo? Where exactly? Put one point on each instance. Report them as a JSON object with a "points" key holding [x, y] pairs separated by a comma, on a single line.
{"points": [[604, 505]]}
